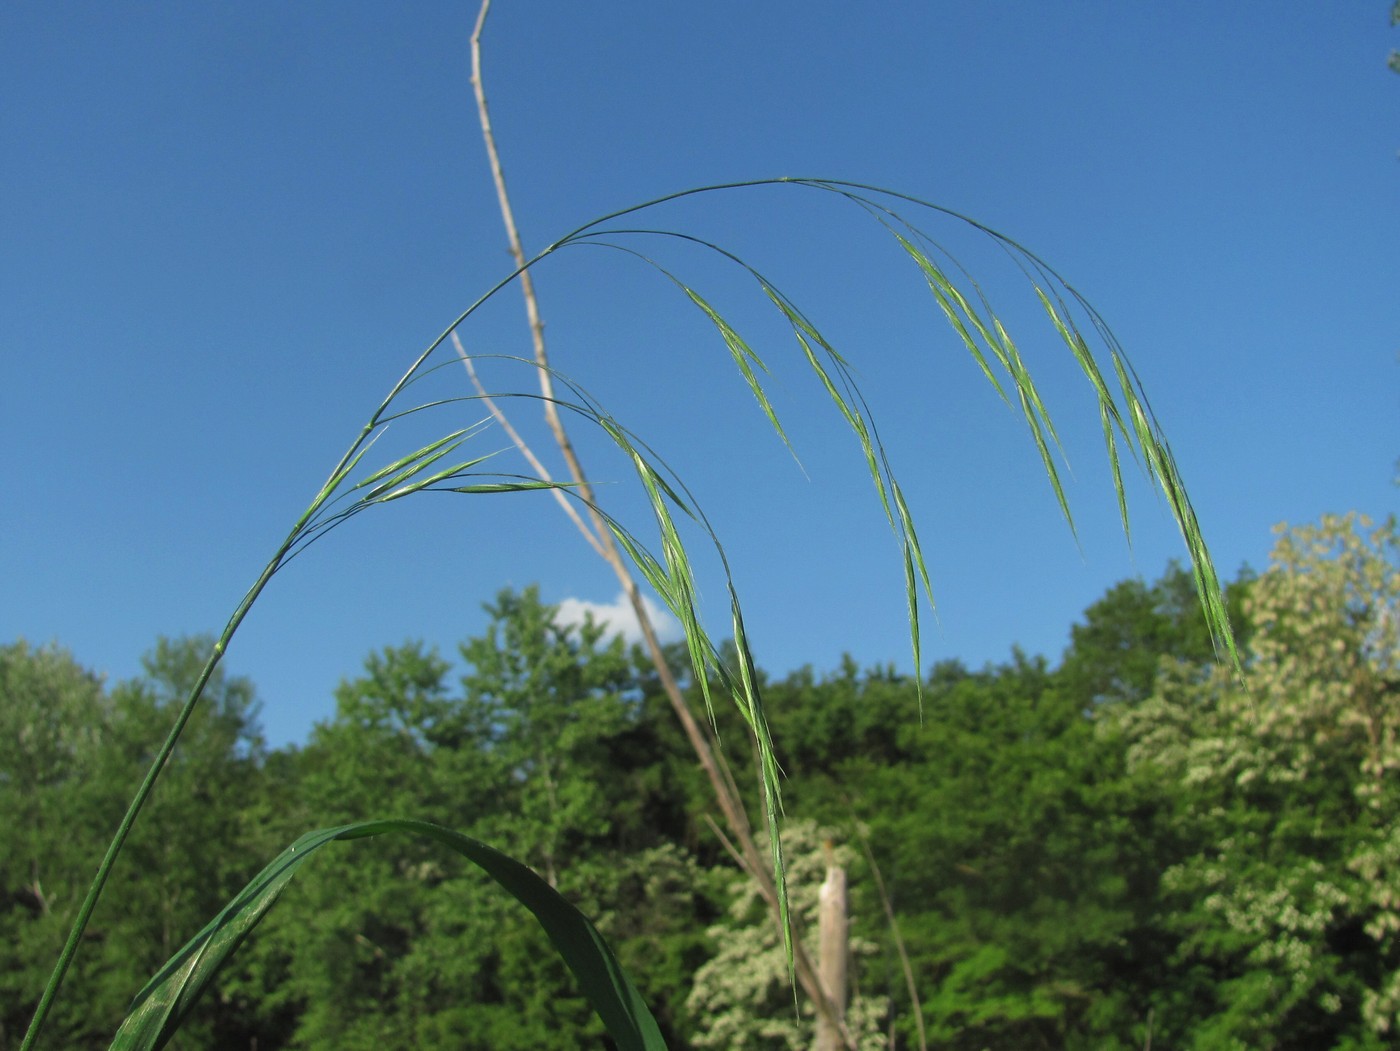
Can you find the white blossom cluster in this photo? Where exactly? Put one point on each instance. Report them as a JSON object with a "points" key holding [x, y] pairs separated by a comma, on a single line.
{"points": [[1294, 763], [744, 993]]}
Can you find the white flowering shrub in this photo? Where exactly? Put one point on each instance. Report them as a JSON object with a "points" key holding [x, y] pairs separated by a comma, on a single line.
{"points": [[1289, 902], [744, 994]]}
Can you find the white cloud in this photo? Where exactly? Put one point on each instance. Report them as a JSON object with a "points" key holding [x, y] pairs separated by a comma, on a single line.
{"points": [[619, 617]]}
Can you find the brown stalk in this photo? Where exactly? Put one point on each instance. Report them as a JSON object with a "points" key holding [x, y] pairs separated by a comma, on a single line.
{"points": [[698, 733], [524, 447]]}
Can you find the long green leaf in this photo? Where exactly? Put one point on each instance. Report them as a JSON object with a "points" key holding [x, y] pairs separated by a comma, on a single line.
{"points": [[163, 1004]]}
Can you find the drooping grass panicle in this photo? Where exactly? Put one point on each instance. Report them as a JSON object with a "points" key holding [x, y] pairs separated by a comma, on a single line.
{"points": [[846, 395], [1144, 435], [986, 337], [1125, 415], [980, 329]]}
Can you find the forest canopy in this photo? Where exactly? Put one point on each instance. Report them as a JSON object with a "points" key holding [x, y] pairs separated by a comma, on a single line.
{"points": [[1132, 845]]}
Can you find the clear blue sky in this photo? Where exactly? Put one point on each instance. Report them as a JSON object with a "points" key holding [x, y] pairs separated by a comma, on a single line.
{"points": [[225, 230]]}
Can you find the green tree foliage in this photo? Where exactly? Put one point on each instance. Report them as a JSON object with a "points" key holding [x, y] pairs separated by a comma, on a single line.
{"points": [[1116, 651], [411, 949], [52, 723], [1131, 844], [69, 752], [1288, 895], [1021, 855], [1018, 856], [551, 697]]}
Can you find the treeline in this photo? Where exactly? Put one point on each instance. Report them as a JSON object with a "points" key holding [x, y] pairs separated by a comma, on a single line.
{"points": [[1135, 847]]}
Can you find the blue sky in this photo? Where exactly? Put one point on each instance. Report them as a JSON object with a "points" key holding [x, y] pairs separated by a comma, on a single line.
{"points": [[228, 229]]}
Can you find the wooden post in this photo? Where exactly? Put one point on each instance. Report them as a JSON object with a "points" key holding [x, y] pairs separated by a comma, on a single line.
{"points": [[833, 952]]}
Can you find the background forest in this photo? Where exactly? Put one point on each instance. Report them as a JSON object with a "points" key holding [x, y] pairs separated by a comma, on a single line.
{"points": [[1130, 848]]}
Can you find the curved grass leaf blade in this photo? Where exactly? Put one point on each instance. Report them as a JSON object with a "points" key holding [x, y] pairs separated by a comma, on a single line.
{"points": [[162, 1005]]}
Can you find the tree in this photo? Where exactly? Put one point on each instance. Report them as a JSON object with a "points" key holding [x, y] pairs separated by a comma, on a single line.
{"points": [[1290, 885], [69, 751], [552, 696], [414, 949], [194, 850], [1019, 858], [350, 974], [1116, 651], [52, 727]]}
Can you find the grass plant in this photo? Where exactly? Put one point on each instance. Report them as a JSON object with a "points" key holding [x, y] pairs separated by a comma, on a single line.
{"points": [[451, 463]]}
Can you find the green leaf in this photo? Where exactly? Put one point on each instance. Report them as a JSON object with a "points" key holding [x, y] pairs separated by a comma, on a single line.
{"points": [[162, 1005]]}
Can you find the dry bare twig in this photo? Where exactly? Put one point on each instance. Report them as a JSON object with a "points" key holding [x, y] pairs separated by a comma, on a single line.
{"points": [[698, 733]]}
